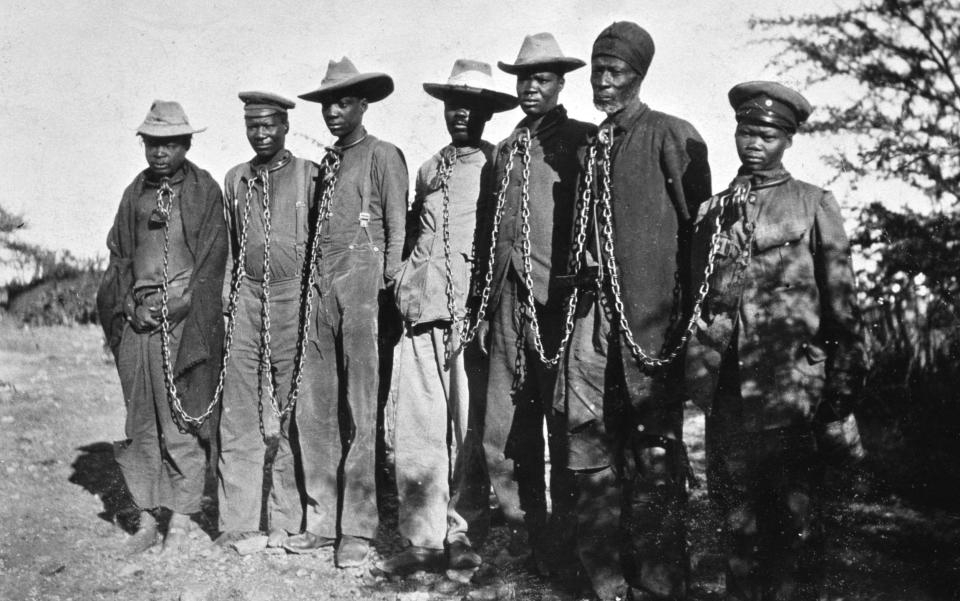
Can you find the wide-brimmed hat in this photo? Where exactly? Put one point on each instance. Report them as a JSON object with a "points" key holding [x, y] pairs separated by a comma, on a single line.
{"points": [[475, 79], [342, 76], [541, 51], [166, 119]]}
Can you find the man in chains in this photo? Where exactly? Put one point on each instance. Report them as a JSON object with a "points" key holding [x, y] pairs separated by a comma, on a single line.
{"points": [[267, 209], [437, 373], [622, 375], [361, 239], [778, 361], [535, 172], [159, 304]]}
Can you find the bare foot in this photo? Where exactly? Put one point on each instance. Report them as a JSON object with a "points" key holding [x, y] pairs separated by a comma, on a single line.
{"points": [[145, 536], [176, 540]]}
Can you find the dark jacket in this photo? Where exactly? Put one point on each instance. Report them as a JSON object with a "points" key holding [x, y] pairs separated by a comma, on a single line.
{"points": [[659, 178], [197, 366], [553, 180], [781, 309]]}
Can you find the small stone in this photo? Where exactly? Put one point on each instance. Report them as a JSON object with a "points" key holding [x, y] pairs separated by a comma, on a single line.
{"points": [[414, 596], [131, 569], [6, 419], [302, 573], [251, 545], [447, 587], [52, 568], [461, 576]]}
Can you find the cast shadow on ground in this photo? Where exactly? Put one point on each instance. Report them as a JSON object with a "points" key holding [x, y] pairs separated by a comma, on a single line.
{"points": [[97, 472]]}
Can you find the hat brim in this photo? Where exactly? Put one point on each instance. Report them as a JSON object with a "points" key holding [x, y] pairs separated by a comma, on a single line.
{"points": [[497, 101], [371, 86], [167, 131], [563, 64]]}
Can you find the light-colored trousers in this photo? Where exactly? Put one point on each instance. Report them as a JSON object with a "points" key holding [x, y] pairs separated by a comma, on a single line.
{"points": [[426, 419]]}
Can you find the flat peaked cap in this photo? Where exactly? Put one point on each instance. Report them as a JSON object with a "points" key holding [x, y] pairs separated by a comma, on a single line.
{"points": [[166, 119], [627, 41], [261, 104], [343, 79], [541, 51], [474, 79], [769, 103]]}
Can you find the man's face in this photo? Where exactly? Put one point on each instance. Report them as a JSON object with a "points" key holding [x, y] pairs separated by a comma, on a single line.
{"points": [[165, 155], [266, 135], [614, 83], [538, 91], [465, 119], [344, 115], [761, 147]]}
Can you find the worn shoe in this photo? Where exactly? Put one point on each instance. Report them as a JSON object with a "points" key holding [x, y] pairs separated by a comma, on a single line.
{"points": [[461, 556], [277, 537], [351, 552], [306, 543], [408, 561]]}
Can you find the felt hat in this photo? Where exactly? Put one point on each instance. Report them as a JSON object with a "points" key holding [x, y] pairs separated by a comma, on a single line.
{"points": [[343, 79], [769, 103], [627, 41], [262, 104], [472, 78], [541, 51], [166, 119]]}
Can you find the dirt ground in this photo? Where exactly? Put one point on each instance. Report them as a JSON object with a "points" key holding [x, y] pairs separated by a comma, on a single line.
{"points": [[64, 519]]}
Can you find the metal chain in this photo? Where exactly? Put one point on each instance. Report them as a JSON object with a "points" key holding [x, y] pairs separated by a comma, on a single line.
{"points": [[329, 169], [644, 359], [470, 332], [447, 161], [173, 398], [580, 237]]}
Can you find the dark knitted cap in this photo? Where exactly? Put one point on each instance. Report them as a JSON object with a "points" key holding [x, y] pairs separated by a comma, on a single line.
{"points": [[627, 41]]}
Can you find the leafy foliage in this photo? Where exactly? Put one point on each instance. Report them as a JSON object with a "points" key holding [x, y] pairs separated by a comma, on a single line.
{"points": [[899, 62]]}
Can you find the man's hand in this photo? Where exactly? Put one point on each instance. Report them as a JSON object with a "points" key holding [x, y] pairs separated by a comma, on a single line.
{"points": [[144, 320], [483, 336], [177, 309]]}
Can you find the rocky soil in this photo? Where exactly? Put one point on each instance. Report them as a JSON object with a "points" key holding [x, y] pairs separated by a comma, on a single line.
{"points": [[64, 515]]}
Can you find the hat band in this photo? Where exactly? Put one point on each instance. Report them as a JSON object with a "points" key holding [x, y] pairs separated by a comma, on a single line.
{"points": [[762, 116]]}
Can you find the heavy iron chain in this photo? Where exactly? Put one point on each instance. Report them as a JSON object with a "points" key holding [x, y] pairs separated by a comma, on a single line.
{"points": [[447, 162], [580, 238], [644, 359], [329, 169], [165, 197], [470, 331]]}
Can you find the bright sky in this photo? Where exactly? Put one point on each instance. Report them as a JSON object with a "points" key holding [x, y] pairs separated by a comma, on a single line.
{"points": [[77, 78]]}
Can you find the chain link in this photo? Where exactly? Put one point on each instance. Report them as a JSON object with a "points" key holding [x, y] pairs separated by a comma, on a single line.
{"points": [[644, 359], [173, 397], [329, 169]]}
